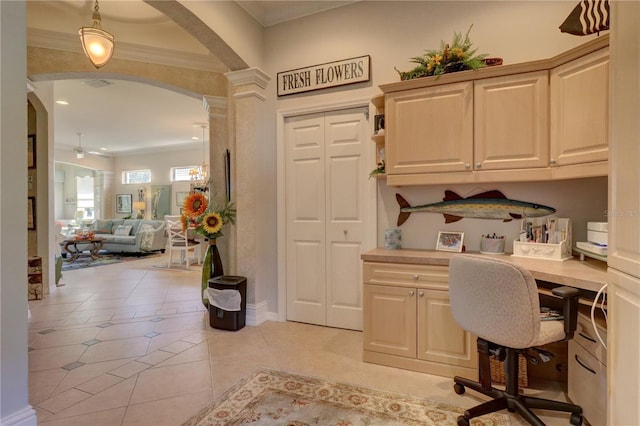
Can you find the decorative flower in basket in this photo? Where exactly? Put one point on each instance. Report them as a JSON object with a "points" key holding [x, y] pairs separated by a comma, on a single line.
{"points": [[201, 216], [458, 56]]}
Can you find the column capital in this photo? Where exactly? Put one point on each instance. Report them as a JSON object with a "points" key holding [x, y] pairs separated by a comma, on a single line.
{"points": [[211, 102], [249, 76]]}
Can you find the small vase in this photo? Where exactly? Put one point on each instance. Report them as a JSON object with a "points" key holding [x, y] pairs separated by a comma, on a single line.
{"points": [[211, 268]]}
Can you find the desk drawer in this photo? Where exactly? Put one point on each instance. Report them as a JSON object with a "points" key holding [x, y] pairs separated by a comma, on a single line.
{"points": [[586, 337], [424, 276], [587, 384]]}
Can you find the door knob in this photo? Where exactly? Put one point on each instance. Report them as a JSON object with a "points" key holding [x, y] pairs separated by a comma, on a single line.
{"points": [[411, 292]]}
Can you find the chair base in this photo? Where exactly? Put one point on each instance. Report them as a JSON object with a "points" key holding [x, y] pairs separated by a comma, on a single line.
{"points": [[511, 399]]}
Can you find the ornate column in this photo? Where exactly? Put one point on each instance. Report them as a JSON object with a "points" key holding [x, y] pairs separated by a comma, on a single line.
{"points": [[217, 107], [248, 97]]}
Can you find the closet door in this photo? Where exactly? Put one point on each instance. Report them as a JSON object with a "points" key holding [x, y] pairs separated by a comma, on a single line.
{"points": [[326, 215]]}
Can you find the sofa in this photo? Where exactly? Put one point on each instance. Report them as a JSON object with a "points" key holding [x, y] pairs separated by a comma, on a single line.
{"points": [[129, 235]]}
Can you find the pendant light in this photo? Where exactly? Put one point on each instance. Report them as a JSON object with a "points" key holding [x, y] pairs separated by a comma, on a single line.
{"points": [[200, 175], [97, 44]]}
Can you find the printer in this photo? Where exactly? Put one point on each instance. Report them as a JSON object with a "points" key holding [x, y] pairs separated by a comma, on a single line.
{"points": [[597, 234]]}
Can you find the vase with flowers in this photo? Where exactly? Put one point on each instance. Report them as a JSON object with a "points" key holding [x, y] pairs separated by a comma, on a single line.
{"points": [[205, 218]]}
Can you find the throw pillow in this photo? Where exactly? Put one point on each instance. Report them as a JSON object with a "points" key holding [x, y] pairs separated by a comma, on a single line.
{"points": [[103, 226], [122, 230], [146, 236]]}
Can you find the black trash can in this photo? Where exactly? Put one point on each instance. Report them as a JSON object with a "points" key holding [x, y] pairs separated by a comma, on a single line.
{"points": [[229, 320]]}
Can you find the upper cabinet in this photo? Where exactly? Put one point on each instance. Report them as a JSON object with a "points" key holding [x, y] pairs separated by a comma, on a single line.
{"points": [[431, 129], [544, 119], [511, 121], [580, 110]]}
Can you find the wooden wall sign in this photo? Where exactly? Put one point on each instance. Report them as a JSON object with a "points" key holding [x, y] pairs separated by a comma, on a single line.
{"points": [[323, 76]]}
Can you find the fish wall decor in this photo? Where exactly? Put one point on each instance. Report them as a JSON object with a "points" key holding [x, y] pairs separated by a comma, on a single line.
{"points": [[487, 205]]}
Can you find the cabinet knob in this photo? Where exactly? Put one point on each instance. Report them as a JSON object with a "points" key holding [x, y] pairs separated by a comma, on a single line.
{"points": [[478, 165], [467, 166], [415, 277], [552, 161], [411, 292], [421, 293]]}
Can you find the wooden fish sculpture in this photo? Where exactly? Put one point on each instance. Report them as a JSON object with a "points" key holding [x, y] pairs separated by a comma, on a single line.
{"points": [[487, 205]]}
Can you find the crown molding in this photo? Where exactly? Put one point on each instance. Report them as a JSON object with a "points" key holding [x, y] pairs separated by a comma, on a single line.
{"points": [[249, 76], [135, 52]]}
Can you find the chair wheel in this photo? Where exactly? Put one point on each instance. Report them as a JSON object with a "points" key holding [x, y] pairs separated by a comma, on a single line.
{"points": [[462, 421], [576, 419], [458, 388]]}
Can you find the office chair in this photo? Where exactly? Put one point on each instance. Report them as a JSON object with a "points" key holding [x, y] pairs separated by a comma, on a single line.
{"points": [[498, 301]]}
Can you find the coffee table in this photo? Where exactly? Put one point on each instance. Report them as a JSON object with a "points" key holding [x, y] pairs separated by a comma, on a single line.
{"points": [[95, 244]]}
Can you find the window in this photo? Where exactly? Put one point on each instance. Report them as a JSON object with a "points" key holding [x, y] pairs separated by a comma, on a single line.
{"points": [[84, 194], [136, 176], [181, 174]]}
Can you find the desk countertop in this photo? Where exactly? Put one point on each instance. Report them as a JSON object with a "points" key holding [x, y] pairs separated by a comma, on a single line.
{"points": [[587, 274]]}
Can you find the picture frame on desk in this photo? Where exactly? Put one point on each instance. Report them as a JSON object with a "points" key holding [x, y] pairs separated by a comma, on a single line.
{"points": [[450, 241]]}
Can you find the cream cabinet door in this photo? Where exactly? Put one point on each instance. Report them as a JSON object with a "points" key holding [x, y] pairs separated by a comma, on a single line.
{"points": [[511, 122], [429, 129], [389, 315], [440, 338], [579, 108]]}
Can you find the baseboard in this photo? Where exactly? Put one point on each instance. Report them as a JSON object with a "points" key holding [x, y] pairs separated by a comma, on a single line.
{"points": [[24, 417], [258, 313]]}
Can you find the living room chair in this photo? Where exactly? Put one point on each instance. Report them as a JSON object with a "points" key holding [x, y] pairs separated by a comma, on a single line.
{"points": [[179, 241], [498, 301]]}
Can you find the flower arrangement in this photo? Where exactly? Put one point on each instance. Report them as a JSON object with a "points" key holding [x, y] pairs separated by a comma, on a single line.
{"points": [[450, 58], [199, 214]]}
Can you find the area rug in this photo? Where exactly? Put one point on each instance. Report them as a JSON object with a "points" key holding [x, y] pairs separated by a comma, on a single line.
{"points": [[85, 261], [271, 397]]}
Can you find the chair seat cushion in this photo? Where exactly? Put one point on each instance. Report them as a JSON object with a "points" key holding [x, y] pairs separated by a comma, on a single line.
{"points": [[550, 331]]}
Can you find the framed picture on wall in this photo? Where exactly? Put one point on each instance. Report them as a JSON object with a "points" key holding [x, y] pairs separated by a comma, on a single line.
{"points": [[160, 201], [31, 151], [123, 203], [180, 196], [450, 241], [31, 213]]}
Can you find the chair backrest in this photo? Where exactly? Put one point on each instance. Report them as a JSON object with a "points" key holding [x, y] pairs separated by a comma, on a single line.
{"points": [[177, 236], [495, 300]]}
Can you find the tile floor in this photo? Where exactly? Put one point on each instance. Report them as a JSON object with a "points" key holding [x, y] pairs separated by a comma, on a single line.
{"points": [[130, 344]]}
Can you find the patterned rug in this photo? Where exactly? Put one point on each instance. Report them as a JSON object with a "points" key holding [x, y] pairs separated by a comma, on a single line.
{"points": [[105, 258], [271, 397]]}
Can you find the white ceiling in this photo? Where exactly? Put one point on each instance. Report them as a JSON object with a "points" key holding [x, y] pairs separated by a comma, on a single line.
{"points": [[125, 116]]}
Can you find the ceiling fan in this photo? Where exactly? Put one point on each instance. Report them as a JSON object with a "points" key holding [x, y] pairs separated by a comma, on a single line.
{"points": [[81, 152]]}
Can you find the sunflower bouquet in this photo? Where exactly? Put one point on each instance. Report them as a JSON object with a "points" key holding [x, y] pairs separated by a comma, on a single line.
{"points": [[199, 214]]}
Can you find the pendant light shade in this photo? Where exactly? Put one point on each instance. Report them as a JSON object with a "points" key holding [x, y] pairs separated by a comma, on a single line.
{"points": [[97, 44]]}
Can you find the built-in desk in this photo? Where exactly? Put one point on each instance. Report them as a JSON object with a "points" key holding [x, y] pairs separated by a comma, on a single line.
{"points": [[589, 274], [407, 321]]}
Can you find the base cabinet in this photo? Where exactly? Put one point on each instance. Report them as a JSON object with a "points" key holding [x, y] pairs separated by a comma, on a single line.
{"points": [[408, 321]]}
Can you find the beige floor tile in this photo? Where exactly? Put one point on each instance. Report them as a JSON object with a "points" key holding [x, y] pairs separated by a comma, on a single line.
{"points": [[167, 412], [88, 372], [100, 418], [171, 381], [62, 337], [197, 352], [48, 358], [165, 339], [123, 331], [177, 347], [129, 369], [99, 384], [114, 397], [156, 357], [195, 321], [116, 349], [43, 383], [64, 400]]}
